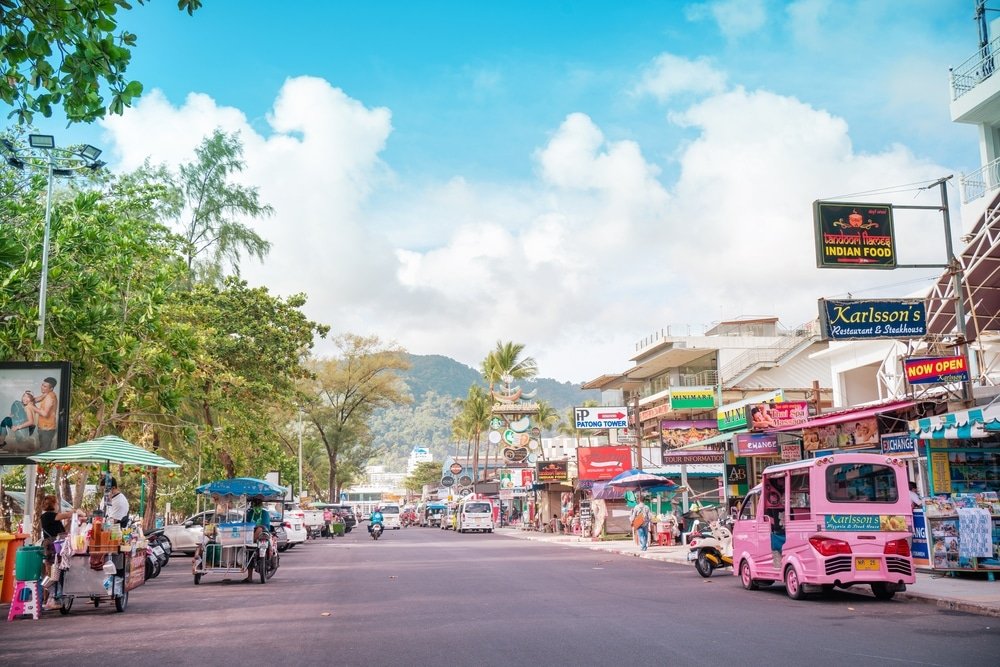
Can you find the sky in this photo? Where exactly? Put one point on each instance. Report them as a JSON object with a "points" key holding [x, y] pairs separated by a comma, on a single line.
{"points": [[573, 176]]}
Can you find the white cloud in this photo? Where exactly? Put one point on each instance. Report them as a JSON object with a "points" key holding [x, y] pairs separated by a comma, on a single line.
{"points": [[669, 76], [572, 264], [735, 18]]}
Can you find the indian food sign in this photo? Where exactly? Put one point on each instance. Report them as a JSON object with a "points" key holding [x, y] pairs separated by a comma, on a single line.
{"points": [[866, 319], [854, 236]]}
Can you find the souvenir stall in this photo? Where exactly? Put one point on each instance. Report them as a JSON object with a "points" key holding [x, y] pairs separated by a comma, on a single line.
{"points": [[100, 560], [962, 509]]}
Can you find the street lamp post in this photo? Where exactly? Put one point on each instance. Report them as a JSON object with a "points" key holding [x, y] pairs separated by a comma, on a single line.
{"points": [[58, 162]]}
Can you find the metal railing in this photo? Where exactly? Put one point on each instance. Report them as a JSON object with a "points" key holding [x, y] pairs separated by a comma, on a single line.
{"points": [[974, 71], [981, 181], [767, 355]]}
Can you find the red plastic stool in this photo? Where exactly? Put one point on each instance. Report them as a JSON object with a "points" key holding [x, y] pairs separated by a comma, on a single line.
{"points": [[664, 540], [32, 590]]}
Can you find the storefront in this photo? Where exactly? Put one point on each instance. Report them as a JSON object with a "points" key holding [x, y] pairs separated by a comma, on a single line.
{"points": [[961, 508]]}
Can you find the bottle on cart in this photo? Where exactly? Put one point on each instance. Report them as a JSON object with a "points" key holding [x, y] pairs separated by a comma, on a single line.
{"points": [[97, 534]]}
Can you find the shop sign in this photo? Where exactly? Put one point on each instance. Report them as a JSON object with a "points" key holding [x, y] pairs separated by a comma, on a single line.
{"points": [[941, 472], [692, 398], [553, 471], [737, 473], [765, 416], [693, 457], [601, 418], [506, 494], [757, 444], [854, 236], [678, 433], [935, 370], [882, 319], [865, 522], [920, 549], [899, 444], [603, 462], [860, 434], [791, 451], [732, 416], [661, 409]]}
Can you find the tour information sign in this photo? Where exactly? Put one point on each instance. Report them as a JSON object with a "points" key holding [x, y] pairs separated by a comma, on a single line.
{"points": [[854, 236]]}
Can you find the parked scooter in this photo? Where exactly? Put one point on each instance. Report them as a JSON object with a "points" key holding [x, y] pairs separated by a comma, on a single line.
{"points": [[712, 549]]}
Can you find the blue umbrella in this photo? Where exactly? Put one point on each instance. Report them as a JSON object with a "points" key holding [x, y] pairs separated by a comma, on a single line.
{"points": [[639, 479], [242, 486]]}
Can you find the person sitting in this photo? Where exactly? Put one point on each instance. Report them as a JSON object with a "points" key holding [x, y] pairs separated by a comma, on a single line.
{"points": [[375, 518], [259, 517]]}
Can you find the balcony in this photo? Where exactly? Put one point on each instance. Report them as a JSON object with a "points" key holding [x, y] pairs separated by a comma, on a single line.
{"points": [[974, 71], [978, 183], [975, 92]]}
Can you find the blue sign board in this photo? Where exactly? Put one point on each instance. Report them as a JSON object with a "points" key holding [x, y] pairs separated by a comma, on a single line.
{"points": [[919, 548], [899, 444], [872, 319], [859, 522]]}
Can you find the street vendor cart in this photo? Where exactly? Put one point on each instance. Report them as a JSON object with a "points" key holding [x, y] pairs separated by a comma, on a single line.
{"points": [[237, 545], [100, 561]]}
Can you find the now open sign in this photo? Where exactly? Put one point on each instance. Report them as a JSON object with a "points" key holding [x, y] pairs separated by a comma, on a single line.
{"points": [[934, 370]]}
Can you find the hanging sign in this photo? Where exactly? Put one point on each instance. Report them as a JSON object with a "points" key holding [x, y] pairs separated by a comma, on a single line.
{"points": [[854, 236], [757, 444], [872, 319], [692, 398], [936, 370]]}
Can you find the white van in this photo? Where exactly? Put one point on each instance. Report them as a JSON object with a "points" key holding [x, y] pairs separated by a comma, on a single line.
{"points": [[390, 516], [474, 515]]}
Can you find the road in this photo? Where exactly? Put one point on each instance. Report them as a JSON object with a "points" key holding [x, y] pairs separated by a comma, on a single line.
{"points": [[423, 596]]}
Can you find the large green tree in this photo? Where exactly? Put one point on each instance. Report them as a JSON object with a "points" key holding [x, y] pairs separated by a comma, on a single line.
{"points": [[428, 472], [63, 53], [345, 391]]}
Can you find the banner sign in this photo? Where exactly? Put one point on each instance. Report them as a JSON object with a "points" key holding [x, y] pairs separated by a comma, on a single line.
{"points": [[757, 444], [899, 444], [872, 319], [854, 236], [693, 457], [677, 433], [603, 462], [692, 398], [553, 471], [734, 415], [934, 370], [764, 416]]}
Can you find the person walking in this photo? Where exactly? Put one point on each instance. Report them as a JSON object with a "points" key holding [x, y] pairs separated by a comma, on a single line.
{"points": [[640, 518]]}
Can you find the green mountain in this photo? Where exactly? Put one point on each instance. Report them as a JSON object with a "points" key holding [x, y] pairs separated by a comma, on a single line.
{"points": [[435, 383]]}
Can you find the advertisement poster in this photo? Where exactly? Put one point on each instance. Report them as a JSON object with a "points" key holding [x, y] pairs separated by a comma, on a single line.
{"points": [[674, 434], [602, 463], [936, 370], [769, 415], [854, 236], [34, 409], [858, 434], [869, 319]]}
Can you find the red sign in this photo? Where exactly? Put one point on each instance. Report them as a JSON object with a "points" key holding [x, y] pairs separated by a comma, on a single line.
{"points": [[603, 462]]}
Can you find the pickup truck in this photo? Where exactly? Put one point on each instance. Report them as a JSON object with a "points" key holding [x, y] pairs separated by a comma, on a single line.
{"points": [[314, 523]]}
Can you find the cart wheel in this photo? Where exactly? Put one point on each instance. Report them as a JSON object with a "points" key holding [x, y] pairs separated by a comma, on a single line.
{"points": [[67, 604], [96, 601], [197, 579], [121, 602]]}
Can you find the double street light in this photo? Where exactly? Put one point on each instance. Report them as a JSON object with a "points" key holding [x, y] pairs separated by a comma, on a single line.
{"points": [[59, 162]]}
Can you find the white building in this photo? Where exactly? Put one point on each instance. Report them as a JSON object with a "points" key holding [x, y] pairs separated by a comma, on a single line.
{"points": [[418, 455]]}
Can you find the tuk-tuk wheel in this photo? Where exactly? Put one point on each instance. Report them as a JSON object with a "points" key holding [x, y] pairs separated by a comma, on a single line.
{"points": [[792, 584]]}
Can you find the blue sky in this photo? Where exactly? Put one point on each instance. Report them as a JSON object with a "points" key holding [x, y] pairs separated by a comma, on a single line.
{"points": [[571, 175]]}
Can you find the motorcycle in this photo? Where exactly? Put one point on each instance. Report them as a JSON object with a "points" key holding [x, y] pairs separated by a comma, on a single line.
{"points": [[376, 531], [712, 548], [263, 557]]}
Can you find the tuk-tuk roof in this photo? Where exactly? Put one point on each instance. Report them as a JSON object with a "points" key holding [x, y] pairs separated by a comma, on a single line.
{"points": [[436, 506], [242, 486]]}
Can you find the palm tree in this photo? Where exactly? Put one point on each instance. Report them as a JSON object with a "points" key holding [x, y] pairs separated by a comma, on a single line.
{"points": [[473, 418], [547, 417], [504, 365]]}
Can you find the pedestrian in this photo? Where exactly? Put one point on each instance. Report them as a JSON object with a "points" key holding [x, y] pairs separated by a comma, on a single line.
{"points": [[915, 500], [640, 518]]}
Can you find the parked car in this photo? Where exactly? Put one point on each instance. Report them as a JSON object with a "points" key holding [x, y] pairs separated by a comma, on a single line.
{"points": [[186, 536], [279, 531], [294, 523]]}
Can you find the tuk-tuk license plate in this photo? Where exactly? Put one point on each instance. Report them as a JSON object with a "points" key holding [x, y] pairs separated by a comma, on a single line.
{"points": [[866, 564]]}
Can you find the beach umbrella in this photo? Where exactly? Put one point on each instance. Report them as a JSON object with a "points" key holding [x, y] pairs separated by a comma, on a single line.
{"points": [[242, 486], [639, 479], [106, 449]]}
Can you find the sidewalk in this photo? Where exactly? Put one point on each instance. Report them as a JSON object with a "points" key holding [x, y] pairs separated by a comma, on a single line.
{"points": [[975, 596]]}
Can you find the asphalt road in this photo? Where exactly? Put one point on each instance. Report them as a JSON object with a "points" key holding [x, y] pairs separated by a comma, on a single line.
{"points": [[422, 596]]}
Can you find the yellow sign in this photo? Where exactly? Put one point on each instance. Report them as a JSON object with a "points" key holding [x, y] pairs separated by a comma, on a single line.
{"points": [[941, 472]]}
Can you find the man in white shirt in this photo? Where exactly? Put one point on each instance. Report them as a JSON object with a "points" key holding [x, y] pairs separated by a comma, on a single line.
{"points": [[116, 509], [915, 499]]}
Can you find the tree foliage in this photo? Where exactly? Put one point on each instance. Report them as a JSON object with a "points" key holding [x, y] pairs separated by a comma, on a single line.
{"points": [[427, 472], [63, 52]]}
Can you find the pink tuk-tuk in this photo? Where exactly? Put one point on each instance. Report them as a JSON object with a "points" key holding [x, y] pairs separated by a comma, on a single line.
{"points": [[821, 523]]}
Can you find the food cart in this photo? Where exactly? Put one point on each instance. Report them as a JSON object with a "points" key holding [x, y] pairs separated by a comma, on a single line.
{"points": [[228, 546], [99, 561]]}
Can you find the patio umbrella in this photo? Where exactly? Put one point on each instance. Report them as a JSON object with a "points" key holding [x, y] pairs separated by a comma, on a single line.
{"points": [[242, 486], [106, 449], [638, 479]]}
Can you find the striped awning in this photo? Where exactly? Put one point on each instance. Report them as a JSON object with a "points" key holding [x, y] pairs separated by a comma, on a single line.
{"points": [[972, 423]]}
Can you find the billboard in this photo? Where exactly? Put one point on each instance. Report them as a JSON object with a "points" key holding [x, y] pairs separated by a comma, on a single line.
{"points": [[678, 433], [770, 414], [553, 471], [856, 434], [854, 236], [872, 319], [34, 409], [757, 444], [603, 462], [732, 416], [935, 370]]}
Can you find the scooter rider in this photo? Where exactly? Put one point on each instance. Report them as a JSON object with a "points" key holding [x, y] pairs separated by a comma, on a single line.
{"points": [[376, 517]]}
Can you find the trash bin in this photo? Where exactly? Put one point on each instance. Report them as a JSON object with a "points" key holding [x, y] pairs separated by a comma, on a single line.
{"points": [[9, 544], [28, 563]]}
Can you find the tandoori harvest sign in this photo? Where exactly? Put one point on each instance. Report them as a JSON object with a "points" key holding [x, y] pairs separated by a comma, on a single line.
{"points": [[854, 236], [867, 319]]}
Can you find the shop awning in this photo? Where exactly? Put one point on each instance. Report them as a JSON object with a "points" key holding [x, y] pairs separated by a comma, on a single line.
{"points": [[846, 416], [972, 423]]}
